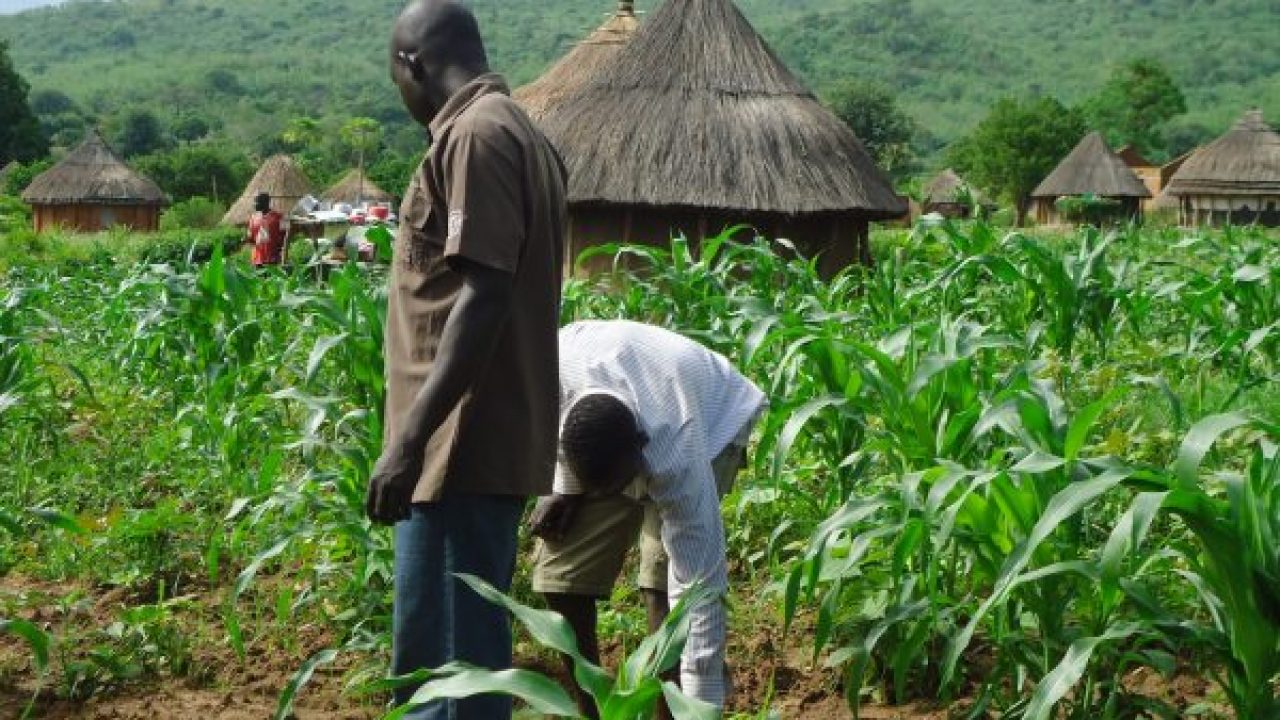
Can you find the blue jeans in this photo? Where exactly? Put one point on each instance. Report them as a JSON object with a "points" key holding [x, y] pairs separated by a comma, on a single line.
{"points": [[438, 619]]}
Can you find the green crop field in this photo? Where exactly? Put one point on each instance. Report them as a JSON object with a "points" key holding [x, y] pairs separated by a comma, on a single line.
{"points": [[1003, 474]]}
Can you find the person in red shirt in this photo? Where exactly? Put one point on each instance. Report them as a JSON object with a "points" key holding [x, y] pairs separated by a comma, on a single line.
{"points": [[265, 233]]}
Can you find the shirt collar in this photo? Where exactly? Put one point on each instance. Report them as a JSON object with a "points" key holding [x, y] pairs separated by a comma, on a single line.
{"points": [[486, 84]]}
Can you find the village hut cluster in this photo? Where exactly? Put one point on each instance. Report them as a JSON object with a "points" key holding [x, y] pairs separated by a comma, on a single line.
{"points": [[1233, 180], [688, 123], [1094, 171]]}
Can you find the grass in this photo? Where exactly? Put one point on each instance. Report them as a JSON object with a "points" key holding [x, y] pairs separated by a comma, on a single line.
{"points": [[1003, 467]]}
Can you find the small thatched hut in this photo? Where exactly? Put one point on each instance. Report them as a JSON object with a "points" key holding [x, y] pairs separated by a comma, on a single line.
{"points": [[1090, 169], [355, 188], [696, 125], [92, 190], [6, 171], [280, 177], [1235, 179], [581, 65], [951, 196]]}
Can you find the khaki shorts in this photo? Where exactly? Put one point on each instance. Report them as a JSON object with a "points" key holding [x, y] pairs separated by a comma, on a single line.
{"points": [[589, 559]]}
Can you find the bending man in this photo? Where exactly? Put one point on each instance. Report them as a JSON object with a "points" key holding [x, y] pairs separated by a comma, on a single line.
{"points": [[654, 431]]}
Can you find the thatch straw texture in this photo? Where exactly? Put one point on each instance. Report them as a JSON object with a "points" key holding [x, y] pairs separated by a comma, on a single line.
{"points": [[4, 171], [698, 112], [1245, 161], [93, 174], [581, 65], [356, 187], [946, 188], [1092, 169], [280, 177]]}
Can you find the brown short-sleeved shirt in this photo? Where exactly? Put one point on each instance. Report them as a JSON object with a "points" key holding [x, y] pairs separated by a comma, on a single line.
{"points": [[492, 191]]}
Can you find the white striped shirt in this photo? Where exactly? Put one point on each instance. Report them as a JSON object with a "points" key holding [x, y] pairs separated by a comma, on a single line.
{"points": [[692, 404]]}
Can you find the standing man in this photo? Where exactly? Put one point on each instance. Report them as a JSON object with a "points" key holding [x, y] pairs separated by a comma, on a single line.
{"points": [[265, 233], [654, 433], [472, 390]]}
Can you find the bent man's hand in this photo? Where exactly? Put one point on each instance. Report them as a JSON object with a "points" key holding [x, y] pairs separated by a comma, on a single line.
{"points": [[554, 515], [391, 487]]}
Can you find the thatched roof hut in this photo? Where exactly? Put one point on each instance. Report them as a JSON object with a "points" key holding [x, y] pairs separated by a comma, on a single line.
{"points": [[581, 65], [6, 170], [1090, 169], [355, 188], [92, 189], [946, 194], [696, 125], [1235, 179], [281, 178]]}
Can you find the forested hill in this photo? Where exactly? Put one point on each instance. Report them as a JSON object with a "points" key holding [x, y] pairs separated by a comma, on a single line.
{"points": [[251, 65]]}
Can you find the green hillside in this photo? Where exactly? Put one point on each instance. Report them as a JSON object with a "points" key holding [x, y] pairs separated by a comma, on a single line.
{"points": [[249, 66]]}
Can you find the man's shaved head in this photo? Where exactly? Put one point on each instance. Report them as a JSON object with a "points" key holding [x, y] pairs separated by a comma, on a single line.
{"points": [[443, 33], [435, 49]]}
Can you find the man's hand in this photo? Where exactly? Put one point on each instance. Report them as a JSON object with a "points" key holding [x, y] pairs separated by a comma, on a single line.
{"points": [[554, 515], [391, 487]]}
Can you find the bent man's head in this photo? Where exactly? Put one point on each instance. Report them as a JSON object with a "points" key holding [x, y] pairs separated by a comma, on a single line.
{"points": [[603, 443], [262, 202], [436, 48]]}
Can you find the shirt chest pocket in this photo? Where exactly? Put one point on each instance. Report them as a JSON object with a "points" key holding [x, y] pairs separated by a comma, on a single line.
{"points": [[425, 232]]}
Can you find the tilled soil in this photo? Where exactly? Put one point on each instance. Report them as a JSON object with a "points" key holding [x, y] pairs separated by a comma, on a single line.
{"points": [[219, 686]]}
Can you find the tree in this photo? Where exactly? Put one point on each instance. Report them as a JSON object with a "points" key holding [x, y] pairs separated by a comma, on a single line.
{"points": [[52, 102], [1135, 106], [190, 128], [872, 112], [21, 176], [301, 134], [362, 137], [141, 134], [1016, 146], [21, 137], [208, 171]]}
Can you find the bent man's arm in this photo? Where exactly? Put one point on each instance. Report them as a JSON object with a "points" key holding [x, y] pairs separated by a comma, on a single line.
{"points": [[693, 536]]}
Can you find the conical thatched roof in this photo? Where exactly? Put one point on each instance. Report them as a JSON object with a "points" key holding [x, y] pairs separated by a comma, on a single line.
{"points": [[697, 112], [93, 174], [1092, 169], [945, 188], [279, 176], [581, 64], [355, 187], [4, 171], [1244, 161]]}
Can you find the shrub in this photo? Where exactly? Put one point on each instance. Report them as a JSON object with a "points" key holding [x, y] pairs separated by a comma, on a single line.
{"points": [[198, 213]]}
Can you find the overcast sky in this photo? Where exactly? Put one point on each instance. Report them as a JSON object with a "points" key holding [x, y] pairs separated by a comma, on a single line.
{"points": [[12, 6]]}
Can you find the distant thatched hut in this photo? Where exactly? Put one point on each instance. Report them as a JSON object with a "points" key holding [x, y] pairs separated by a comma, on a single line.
{"points": [[951, 196], [6, 171], [1236, 179], [1147, 171], [92, 190], [581, 65], [696, 125], [355, 188], [1090, 169], [280, 177]]}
